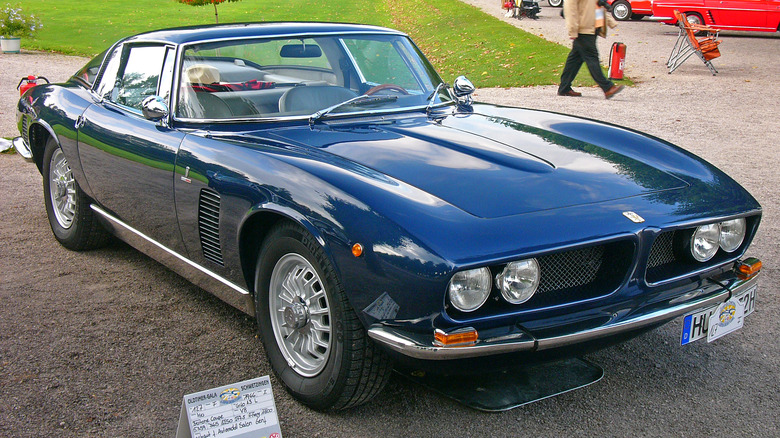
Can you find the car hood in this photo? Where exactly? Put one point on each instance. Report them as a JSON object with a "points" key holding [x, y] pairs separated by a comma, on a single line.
{"points": [[488, 166]]}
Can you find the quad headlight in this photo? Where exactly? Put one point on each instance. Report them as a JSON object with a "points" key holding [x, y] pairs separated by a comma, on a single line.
{"points": [[468, 290], [732, 233], [705, 242], [518, 281], [727, 235]]}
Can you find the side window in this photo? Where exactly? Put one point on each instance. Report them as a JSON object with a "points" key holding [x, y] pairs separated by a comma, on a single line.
{"points": [[166, 80], [108, 78], [139, 77]]}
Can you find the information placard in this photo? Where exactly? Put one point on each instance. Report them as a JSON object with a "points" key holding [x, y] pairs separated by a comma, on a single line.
{"points": [[243, 409]]}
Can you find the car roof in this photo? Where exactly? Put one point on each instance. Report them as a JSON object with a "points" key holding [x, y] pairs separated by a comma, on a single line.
{"points": [[190, 34]]}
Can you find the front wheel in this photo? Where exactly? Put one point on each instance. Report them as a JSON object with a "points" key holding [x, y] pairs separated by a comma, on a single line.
{"points": [[72, 220], [555, 3], [621, 10], [316, 345]]}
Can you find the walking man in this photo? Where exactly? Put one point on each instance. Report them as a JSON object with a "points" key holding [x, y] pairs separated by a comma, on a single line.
{"points": [[581, 25]]}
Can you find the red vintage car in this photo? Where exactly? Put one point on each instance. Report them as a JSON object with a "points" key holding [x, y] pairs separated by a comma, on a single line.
{"points": [[630, 9], [749, 15]]}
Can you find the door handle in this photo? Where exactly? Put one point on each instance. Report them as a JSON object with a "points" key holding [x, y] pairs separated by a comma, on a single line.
{"points": [[80, 121]]}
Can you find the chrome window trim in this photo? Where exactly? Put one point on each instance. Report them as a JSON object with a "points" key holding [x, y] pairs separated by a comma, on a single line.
{"points": [[174, 103], [351, 57], [296, 35]]}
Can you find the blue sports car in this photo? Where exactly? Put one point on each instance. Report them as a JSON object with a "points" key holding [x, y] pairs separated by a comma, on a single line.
{"points": [[325, 179]]}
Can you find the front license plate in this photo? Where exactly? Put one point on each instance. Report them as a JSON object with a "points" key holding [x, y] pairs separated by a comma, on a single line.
{"points": [[729, 317]]}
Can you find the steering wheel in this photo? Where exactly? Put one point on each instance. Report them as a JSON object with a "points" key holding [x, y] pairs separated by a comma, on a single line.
{"points": [[392, 87]]}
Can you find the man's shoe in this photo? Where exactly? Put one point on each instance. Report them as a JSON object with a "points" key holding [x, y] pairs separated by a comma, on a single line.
{"points": [[613, 91], [570, 93]]}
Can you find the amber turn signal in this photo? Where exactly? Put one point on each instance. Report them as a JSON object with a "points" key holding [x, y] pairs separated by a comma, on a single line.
{"points": [[459, 338], [748, 268], [357, 250]]}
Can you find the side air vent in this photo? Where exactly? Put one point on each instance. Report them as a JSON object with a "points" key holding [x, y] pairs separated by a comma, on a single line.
{"points": [[25, 133], [208, 225]]}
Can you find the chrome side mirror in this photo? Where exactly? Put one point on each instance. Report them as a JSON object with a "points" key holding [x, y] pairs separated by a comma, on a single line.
{"points": [[462, 88], [154, 108]]}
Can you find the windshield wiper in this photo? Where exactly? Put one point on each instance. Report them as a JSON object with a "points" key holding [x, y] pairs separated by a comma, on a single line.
{"points": [[363, 99], [430, 98]]}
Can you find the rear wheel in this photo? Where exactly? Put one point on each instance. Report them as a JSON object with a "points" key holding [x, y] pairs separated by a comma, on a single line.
{"points": [[694, 18], [316, 345], [555, 3], [72, 220], [621, 10]]}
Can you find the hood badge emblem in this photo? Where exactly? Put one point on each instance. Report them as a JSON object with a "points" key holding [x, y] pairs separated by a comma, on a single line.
{"points": [[633, 217]]}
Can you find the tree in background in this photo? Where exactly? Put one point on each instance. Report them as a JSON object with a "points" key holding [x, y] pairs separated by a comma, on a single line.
{"points": [[204, 3]]}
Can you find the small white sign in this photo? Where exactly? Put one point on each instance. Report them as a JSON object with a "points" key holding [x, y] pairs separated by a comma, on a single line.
{"points": [[728, 317], [240, 410]]}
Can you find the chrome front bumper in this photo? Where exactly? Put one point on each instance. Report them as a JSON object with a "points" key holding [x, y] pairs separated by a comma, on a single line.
{"points": [[23, 148], [421, 346]]}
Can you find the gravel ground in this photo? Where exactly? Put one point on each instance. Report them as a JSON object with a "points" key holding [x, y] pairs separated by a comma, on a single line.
{"points": [[106, 343]]}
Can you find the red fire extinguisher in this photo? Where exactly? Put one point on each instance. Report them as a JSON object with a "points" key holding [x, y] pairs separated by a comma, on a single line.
{"points": [[29, 82], [617, 60]]}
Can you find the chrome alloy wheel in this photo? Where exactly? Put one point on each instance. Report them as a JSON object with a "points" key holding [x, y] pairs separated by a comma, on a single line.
{"points": [[621, 11], [62, 189], [694, 19], [300, 315]]}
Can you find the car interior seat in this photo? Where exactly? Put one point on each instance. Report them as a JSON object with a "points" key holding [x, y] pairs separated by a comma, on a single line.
{"points": [[201, 105], [308, 99]]}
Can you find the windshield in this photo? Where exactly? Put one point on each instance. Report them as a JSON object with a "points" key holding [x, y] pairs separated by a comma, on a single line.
{"points": [[301, 77], [89, 72]]}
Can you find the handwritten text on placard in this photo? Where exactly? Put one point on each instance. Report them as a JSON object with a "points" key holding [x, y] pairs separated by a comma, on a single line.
{"points": [[239, 410]]}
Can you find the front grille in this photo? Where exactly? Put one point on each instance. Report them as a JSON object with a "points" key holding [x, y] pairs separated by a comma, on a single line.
{"points": [[662, 252], [570, 269], [567, 277], [670, 257], [582, 274], [208, 225]]}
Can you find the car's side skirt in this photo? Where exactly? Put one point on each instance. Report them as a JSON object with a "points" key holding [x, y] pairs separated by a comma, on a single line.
{"points": [[219, 286]]}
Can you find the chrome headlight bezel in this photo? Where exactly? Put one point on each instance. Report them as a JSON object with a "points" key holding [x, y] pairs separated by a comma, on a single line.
{"points": [[468, 290], [519, 280]]}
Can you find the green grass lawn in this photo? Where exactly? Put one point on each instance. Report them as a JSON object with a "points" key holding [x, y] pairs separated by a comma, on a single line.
{"points": [[457, 38]]}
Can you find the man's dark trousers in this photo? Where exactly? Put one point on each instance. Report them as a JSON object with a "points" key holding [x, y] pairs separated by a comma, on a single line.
{"points": [[583, 49]]}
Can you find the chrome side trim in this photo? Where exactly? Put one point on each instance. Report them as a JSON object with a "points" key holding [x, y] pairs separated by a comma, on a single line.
{"points": [[22, 148], [655, 18], [420, 346], [219, 286]]}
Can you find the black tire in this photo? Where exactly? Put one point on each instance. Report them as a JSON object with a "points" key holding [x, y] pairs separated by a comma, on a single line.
{"points": [[352, 369], [555, 3], [72, 220], [621, 10]]}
